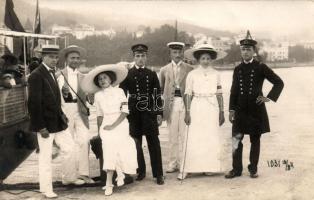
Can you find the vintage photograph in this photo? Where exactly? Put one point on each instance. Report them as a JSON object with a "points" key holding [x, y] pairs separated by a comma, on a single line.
{"points": [[146, 100]]}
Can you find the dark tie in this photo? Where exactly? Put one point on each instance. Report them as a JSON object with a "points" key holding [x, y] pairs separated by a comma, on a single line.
{"points": [[52, 71]]}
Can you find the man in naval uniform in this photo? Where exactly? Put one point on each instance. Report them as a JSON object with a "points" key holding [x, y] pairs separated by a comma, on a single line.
{"points": [[172, 82], [247, 110], [75, 107], [145, 104]]}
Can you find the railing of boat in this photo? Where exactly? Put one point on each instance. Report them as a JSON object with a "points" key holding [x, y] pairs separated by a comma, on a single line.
{"points": [[13, 105]]}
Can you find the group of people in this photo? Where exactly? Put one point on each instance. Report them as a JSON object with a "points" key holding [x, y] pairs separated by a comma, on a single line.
{"points": [[132, 102]]}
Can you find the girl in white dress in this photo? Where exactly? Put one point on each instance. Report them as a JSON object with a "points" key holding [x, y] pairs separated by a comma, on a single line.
{"points": [[119, 150], [204, 115]]}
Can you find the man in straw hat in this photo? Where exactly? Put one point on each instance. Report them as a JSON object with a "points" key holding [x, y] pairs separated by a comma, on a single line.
{"points": [[76, 107], [145, 104], [49, 121], [172, 82], [247, 110]]}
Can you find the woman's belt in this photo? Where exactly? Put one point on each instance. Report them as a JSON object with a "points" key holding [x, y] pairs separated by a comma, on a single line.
{"points": [[204, 95]]}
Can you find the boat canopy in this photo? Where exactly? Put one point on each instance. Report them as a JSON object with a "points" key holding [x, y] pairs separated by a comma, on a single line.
{"points": [[23, 34]]}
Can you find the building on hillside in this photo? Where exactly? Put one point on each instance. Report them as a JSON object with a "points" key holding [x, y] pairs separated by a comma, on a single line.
{"points": [[276, 51], [83, 30], [61, 30], [308, 44], [221, 44], [111, 33]]}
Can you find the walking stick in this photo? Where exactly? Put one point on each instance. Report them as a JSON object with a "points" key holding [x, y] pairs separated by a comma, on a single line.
{"points": [[185, 149]]}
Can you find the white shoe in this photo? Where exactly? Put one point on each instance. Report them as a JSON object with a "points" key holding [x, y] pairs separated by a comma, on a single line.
{"points": [[172, 169], [86, 179], [182, 176], [50, 195], [120, 182], [108, 190], [76, 182]]}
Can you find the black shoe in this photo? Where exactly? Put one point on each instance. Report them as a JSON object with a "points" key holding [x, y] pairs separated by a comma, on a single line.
{"points": [[160, 180], [140, 177], [253, 175], [232, 174]]}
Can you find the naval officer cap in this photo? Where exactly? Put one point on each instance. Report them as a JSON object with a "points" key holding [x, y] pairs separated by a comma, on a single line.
{"points": [[248, 41], [176, 45], [139, 48]]}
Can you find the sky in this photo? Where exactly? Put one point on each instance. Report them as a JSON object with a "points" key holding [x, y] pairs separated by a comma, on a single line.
{"points": [[278, 18]]}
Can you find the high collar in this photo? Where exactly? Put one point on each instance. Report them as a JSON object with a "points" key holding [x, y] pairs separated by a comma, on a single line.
{"points": [[47, 67], [175, 64], [137, 67], [108, 89], [245, 62]]}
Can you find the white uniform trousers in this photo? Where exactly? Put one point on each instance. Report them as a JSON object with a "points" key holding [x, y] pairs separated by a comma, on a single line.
{"points": [[64, 140], [176, 127], [81, 136]]}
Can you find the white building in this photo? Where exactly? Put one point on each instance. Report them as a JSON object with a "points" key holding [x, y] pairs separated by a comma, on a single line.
{"points": [[83, 30], [221, 44], [60, 30], [111, 33], [276, 51], [308, 44]]}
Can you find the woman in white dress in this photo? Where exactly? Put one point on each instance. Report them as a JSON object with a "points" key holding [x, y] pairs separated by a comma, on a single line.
{"points": [[119, 150], [204, 115]]}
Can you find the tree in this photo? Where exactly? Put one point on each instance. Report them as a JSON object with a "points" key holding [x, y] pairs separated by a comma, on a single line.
{"points": [[301, 54], [105, 50], [233, 54]]}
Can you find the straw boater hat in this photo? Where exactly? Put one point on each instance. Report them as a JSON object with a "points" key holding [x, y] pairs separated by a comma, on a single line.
{"points": [[72, 48], [88, 84], [49, 48], [204, 48]]}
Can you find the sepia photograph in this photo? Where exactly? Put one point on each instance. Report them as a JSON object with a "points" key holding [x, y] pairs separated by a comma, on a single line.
{"points": [[156, 99]]}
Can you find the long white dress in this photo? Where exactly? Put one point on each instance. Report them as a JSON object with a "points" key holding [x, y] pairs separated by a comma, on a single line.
{"points": [[203, 140], [119, 150]]}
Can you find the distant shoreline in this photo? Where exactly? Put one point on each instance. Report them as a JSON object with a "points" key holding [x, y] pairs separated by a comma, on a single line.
{"points": [[271, 65]]}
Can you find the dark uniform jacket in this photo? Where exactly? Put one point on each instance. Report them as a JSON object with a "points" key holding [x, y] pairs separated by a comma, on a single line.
{"points": [[247, 85], [44, 102], [144, 99]]}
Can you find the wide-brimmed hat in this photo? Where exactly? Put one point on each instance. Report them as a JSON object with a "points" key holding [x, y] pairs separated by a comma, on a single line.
{"points": [[72, 48], [88, 84], [204, 48]]}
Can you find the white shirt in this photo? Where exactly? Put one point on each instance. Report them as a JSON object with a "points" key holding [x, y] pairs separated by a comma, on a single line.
{"points": [[115, 101], [176, 70], [176, 67], [202, 81], [72, 79], [249, 61], [48, 68], [137, 67]]}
